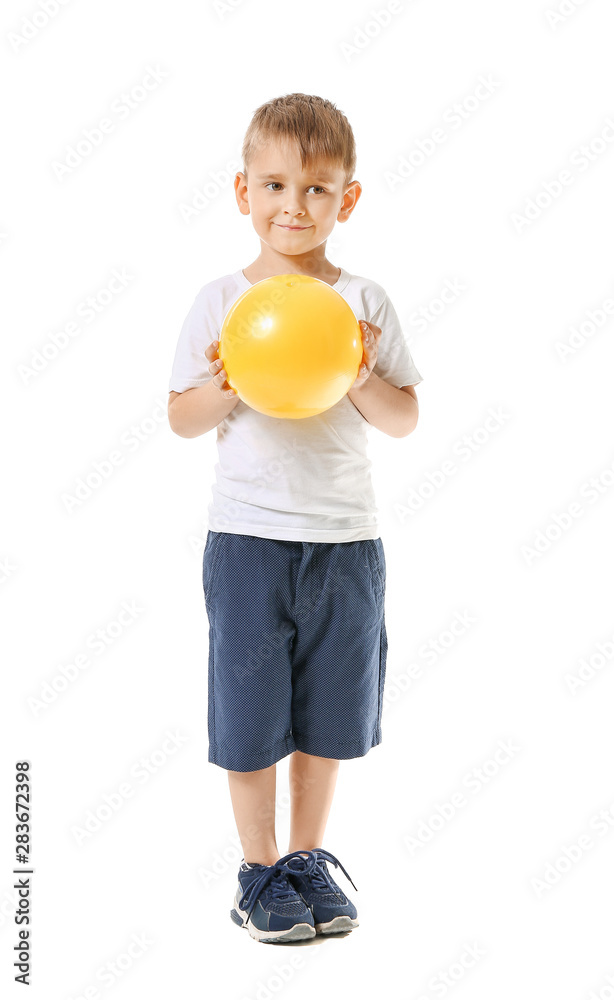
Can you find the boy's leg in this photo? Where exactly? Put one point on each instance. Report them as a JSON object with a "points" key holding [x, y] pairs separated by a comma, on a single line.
{"points": [[253, 803], [312, 785]]}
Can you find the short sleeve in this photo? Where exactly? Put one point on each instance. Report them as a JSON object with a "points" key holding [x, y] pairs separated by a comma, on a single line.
{"points": [[190, 366], [394, 362]]}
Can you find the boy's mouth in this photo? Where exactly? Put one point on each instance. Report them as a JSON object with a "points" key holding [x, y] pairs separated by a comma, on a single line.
{"points": [[293, 229]]}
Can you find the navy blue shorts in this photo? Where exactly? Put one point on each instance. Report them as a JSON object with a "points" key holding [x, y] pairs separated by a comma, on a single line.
{"points": [[297, 648]]}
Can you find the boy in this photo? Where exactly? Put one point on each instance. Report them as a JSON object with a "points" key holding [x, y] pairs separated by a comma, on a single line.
{"points": [[293, 567]]}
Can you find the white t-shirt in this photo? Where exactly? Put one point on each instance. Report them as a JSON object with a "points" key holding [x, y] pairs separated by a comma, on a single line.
{"points": [[302, 479]]}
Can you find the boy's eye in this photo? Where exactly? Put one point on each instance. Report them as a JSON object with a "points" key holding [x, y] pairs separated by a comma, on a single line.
{"points": [[310, 186]]}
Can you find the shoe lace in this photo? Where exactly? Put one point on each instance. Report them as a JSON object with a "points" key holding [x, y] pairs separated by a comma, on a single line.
{"points": [[320, 880], [320, 876], [279, 887], [276, 878]]}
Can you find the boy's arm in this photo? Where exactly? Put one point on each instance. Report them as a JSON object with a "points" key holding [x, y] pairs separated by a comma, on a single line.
{"points": [[195, 411], [198, 410], [393, 411]]}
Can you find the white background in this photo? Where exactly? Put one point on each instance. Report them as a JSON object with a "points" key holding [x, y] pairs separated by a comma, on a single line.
{"points": [[494, 876]]}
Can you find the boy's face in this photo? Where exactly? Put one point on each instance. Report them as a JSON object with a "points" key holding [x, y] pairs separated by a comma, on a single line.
{"points": [[279, 194]]}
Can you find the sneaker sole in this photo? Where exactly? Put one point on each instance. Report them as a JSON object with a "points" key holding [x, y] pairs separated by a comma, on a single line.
{"points": [[337, 925], [298, 932]]}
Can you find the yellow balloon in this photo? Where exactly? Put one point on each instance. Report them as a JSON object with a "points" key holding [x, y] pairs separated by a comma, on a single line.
{"points": [[291, 346]]}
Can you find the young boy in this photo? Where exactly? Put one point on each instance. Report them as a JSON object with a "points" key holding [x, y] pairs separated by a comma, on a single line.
{"points": [[293, 566]]}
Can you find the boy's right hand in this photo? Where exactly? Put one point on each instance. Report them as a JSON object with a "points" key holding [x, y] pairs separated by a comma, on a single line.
{"points": [[216, 369]]}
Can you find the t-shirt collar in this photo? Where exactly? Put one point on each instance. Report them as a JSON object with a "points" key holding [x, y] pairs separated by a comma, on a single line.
{"points": [[244, 283]]}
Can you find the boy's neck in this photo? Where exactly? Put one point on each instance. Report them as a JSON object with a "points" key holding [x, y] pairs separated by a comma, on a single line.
{"points": [[268, 267]]}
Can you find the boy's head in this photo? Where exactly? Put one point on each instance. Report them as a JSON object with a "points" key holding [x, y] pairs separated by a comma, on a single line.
{"points": [[299, 158]]}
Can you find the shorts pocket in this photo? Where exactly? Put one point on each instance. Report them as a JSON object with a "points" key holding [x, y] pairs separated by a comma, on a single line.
{"points": [[383, 656], [378, 564], [211, 562]]}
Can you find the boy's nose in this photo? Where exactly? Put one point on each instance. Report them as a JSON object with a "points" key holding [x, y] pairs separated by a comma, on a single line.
{"points": [[293, 207], [293, 212]]}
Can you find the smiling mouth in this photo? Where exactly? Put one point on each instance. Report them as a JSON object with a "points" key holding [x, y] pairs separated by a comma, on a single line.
{"points": [[294, 229]]}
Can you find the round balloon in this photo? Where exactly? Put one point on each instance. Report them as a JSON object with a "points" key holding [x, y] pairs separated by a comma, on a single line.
{"points": [[291, 346]]}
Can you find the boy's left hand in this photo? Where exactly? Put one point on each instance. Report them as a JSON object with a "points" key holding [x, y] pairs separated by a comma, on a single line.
{"points": [[370, 339]]}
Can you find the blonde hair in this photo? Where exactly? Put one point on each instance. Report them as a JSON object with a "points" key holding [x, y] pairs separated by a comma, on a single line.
{"points": [[321, 131]]}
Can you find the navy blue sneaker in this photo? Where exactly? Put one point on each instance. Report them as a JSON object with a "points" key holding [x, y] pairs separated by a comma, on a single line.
{"points": [[332, 910], [269, 905]]}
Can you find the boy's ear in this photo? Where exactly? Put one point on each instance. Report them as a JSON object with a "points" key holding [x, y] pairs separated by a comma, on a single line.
{"points": [[241, 193], [351, 196]]}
